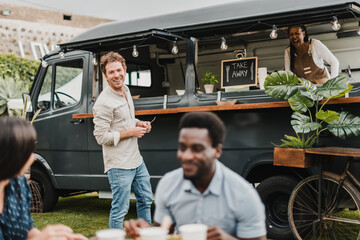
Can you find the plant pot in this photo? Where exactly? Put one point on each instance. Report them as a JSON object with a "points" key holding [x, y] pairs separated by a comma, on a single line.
{"points": [[293, 157], [209, 88]]}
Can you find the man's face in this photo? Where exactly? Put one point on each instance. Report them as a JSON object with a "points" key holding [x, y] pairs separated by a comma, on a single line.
{"points": [[296, 36], [196, 154], [115, 75]]}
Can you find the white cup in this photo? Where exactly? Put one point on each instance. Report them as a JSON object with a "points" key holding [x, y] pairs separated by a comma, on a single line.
{"points": [[193, 231], [110, 234], [152, 233]]}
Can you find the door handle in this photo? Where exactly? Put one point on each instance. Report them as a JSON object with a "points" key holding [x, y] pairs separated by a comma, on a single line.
{"points": [[77, 121]]}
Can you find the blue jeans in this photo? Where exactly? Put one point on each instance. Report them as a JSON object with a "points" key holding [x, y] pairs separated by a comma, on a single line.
{"points": [[121, 181]]}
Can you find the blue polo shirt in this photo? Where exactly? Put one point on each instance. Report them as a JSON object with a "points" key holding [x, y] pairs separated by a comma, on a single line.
{"points": [[16, 220], [229, 202]]}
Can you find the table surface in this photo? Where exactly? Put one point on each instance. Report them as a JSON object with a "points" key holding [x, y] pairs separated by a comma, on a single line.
{"points": [[335, 151]]}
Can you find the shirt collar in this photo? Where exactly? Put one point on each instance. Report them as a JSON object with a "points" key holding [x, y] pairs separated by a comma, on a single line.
{"points": [[214, 186], [126, 90]]}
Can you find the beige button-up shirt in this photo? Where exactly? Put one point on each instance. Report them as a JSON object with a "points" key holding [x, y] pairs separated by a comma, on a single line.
{"points": [[113, 114]]}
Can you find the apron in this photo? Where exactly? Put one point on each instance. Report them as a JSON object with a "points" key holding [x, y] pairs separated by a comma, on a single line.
{"points": [[305, 67]]}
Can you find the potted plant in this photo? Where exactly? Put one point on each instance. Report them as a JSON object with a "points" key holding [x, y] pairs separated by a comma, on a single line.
{"points": [[209, 80], [310, 118]]}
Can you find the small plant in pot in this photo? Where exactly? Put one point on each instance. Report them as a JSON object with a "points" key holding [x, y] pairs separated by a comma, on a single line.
{"points": [[209, 80], [308, 101]]}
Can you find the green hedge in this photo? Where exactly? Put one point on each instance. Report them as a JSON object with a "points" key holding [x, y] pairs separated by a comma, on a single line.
{"points": [[16, 77]]}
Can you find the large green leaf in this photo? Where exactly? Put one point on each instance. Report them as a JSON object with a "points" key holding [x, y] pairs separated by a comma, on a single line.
{"points": [[333, 87], [307, 84], [348, 125], [301, 101], [302, 123], [328, 116], [281, 85]]}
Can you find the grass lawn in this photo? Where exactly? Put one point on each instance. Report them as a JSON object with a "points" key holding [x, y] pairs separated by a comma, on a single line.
{"points": [[85, 214]]}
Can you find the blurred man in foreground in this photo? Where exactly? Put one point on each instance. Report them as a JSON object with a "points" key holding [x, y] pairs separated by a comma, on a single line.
{"points": [[203, 190]]}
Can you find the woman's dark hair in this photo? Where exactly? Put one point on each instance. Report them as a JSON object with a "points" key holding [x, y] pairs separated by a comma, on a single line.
{"points": [[17, 143], [208, 120], [292, 48]]}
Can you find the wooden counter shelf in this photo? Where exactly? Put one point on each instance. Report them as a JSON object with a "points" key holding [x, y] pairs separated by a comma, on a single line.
{"points": [[304, 158], [221, 108]]}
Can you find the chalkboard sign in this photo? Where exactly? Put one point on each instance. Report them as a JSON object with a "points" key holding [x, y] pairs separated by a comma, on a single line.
{"points": [[239, 72]]}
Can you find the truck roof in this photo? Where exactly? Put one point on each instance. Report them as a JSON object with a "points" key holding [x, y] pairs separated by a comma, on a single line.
{"points": [[222, 19]]}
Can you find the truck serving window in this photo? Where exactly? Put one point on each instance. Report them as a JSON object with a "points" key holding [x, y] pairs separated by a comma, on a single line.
{"points": [[138, 75]]}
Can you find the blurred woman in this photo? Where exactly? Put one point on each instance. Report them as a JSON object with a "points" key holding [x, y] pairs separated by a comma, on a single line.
{"points": [[17, 145], [305, 57]]}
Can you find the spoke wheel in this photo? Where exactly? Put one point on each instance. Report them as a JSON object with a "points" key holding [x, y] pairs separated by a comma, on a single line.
{"points": [[340, 209]]}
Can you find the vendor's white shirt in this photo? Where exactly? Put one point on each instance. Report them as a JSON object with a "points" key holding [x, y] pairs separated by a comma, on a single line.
{"points": [[320, 53]]}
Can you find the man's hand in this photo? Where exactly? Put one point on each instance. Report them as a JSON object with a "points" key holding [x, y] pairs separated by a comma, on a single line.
{"points": [[132, 227], [137, 132], [144, 124], [216, 233]]}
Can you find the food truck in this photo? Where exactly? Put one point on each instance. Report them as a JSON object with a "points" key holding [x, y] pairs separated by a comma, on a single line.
{"points": [[167, 56]]}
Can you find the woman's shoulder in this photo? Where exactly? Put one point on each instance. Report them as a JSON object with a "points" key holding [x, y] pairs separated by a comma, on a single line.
{"points": [[20, 183], [315, 42]]}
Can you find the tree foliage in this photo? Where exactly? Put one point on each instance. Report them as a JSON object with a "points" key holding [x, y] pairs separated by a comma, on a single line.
{"points": [[16, 77]]}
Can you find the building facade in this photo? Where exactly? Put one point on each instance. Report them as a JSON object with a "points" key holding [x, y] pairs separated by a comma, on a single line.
{"points": [[31, 32]]}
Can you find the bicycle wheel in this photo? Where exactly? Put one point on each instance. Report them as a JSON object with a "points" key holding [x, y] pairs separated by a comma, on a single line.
{"points": [[340, 209]]}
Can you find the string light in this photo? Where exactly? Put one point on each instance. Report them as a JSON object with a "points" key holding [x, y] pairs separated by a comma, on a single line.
{"points": [[174, 49], [44, 64], [223, 45], [61, 54], [335, 24], [135, 52], [273, 34]]}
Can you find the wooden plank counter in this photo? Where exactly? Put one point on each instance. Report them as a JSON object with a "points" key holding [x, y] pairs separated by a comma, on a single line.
{"points": [[222, 108]]}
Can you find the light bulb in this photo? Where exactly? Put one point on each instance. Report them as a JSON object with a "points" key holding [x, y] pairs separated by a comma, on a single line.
{"points": [[61, 54], [223, 45], [135, 52], [335, 24], [174, 49], [44, 63], [273, 34]]}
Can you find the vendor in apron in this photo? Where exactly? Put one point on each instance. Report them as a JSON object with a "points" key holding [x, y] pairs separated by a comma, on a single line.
{"points": [[306, 57]]}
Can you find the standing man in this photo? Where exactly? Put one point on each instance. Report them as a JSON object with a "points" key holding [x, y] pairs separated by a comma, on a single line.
{"points": [[203, 190], [117, 130]]}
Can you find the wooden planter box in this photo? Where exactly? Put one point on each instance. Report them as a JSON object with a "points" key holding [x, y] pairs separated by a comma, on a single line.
{"points": [[293, 157]]}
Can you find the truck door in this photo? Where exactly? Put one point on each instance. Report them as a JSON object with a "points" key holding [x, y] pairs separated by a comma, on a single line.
{"points": [[60, 91]]}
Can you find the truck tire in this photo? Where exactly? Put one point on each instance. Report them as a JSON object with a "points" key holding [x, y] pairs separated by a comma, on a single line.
{"points": [[275, 193], [48, 193]]}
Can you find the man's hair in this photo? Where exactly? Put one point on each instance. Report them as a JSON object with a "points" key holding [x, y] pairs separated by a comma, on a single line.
{"points": [[208, 120], [17, 143], [111, 57]]}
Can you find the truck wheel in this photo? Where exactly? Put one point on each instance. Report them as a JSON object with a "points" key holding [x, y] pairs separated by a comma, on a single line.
{"points": [[275, 193], [48, 193]]}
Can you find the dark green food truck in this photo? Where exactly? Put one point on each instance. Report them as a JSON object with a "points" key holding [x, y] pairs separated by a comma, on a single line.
{"points": [[167, 56]]}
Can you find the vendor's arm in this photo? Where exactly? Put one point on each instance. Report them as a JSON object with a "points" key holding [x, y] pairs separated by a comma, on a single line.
{"points": [[287, 59], [324, 53]]}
